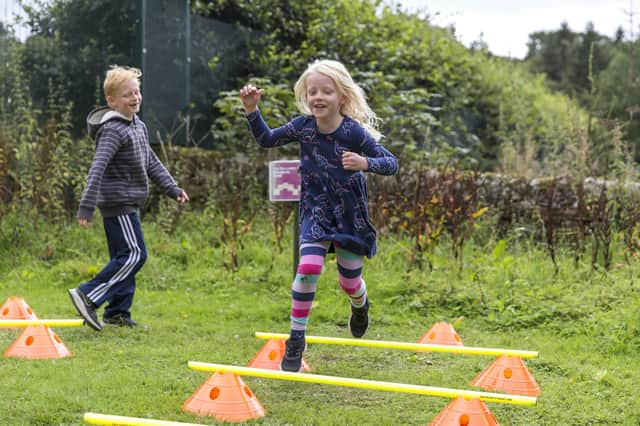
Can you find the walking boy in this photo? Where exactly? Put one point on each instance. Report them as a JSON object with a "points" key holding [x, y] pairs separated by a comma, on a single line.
{"points": [[118, 184]]}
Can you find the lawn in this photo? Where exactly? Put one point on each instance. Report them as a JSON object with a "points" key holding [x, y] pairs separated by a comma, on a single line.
{"points": [[191, 307]]}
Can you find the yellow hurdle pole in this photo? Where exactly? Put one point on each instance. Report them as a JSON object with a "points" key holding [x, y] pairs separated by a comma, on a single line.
{"points": [[105, 419], [47, 322], [364, 384], [469, 350]]}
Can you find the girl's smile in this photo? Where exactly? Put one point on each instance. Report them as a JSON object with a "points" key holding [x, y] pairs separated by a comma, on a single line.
{"points": [[324, 101]]}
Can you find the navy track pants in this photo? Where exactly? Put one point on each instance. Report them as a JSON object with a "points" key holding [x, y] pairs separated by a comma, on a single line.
{"points": [[116, 283]]}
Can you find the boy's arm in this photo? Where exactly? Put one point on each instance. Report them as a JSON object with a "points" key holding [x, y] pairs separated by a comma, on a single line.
{"points": [[108, 144], [161, 176]]}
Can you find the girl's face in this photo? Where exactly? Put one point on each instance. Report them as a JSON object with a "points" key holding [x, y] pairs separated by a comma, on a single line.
{"points": [[127, 99], [323, 98]]}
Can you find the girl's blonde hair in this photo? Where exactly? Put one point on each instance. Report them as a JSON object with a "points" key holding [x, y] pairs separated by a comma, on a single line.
{"points": [[355, 105], [118, 75]]}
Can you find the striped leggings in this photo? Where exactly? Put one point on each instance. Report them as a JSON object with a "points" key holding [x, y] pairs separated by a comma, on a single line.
{"points": [[310, 267]]}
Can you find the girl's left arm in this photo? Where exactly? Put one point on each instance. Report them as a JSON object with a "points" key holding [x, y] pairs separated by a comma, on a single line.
{"points": [[379, 159]]}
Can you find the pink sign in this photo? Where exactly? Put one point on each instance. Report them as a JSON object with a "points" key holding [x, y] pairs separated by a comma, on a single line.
{"points": [[284, 180]]}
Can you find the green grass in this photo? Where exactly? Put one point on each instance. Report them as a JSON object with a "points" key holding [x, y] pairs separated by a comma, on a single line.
{"points": [[585, 325]]}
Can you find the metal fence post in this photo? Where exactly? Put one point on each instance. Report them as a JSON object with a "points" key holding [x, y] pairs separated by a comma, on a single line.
{"points": [[296, 238]]}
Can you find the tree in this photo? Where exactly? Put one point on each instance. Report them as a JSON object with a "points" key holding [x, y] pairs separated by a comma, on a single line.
{"points": [[552, 53], [619, 86], [73, 42], [591, 55], [567, 57], [436, 97]]}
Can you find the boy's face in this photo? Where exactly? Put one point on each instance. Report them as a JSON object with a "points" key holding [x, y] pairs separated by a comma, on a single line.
{"points": [[127, 98]]}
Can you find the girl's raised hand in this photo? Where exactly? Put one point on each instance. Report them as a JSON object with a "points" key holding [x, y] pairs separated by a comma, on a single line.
{"points": [[250, 96]]}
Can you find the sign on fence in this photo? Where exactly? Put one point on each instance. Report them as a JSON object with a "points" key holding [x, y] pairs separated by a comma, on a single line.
{"points": [[284, 180], [284, 185]]}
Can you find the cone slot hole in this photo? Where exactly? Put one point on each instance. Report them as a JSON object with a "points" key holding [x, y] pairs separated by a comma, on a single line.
{"points": [[29, 341], [507, 373], [5, 311], [214, 394], [273, 355], [464, 420], [248, 391], [56, 338], [29, 311]]}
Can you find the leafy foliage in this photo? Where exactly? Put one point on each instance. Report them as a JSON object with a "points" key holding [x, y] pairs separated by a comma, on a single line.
{"points": [[436, 98], [46, 167], [73, 43], [433, 95], [599, 72], [567, 57], [444, 108]]}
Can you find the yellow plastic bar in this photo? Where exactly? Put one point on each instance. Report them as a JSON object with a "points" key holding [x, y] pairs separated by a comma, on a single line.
{"points": [[105, 419], [47, 322], [469, 350], [364, 384]]}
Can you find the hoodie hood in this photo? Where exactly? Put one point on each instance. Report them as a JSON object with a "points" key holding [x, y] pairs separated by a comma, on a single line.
{"points": [[99, 116]]}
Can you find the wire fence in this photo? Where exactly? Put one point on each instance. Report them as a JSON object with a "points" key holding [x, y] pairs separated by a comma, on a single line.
{"points": [[187, 60]]}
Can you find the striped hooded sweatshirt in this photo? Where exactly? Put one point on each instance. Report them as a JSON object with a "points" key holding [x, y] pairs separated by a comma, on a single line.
{"points": [[123, 163]]}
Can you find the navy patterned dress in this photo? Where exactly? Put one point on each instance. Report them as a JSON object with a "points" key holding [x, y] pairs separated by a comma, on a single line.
{"points": [[333, 202]]}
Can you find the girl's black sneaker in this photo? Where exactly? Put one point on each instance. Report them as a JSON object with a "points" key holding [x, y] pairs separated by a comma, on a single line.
{"points": [[359, 319], [292, 359]]}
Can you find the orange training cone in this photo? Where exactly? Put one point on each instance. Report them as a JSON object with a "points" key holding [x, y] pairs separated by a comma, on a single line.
{"points": [[38, 342], [441, 333], [508, 374], [462, 412], [225, 397], [16, 308], [270, 356]]}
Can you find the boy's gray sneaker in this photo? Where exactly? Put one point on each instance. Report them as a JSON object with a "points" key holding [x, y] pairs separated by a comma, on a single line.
{"points": [[292, 359], [86, 308], [359, 319], [119, 320]]}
